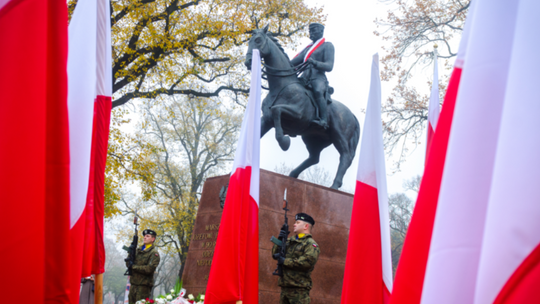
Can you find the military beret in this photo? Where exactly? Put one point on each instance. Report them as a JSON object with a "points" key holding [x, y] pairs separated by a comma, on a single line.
{"points": [[148, 231], [314, 25], [305, 217]]}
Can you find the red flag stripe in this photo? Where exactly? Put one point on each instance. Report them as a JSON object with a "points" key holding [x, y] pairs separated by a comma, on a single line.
{"points": [[101, 140], [34, 160], [57, 254], [237, 248], [522, 287], [361, 259], [430, 133]]}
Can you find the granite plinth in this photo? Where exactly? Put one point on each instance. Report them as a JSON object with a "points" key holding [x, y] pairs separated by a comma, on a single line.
{"points": [[330, 208]]}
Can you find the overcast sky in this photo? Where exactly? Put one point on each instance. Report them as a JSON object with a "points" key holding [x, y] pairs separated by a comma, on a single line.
{"points": [[350, 28]]}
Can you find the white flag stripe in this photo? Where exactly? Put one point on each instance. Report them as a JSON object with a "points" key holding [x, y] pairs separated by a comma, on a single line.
{"points": [[434, 108], [104, 56], [372, 168], [81, 94], [459, 223], [248, 149], [512, 223]]}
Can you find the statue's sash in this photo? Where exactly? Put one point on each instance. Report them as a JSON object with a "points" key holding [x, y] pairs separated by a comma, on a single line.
{"points": [[311, 48]]}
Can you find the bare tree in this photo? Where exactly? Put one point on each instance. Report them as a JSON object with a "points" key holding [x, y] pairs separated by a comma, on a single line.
{"points": [[412, 30], [114, 281], [400, 213], [166, 273]]}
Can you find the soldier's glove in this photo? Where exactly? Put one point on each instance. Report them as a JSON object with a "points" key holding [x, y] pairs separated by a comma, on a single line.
{"points": [[283, 234], [280, 260], [276, 256]]}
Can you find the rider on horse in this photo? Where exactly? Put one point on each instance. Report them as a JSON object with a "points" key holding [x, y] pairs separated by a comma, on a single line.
{"points": [[320, 55]]}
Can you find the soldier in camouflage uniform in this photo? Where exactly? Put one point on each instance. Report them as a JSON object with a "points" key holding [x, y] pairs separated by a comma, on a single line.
{"points": [[299, 262], [146, 262]]}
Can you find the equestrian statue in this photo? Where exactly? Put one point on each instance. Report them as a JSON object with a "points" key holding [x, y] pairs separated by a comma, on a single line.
{"points": [[299, 100]]}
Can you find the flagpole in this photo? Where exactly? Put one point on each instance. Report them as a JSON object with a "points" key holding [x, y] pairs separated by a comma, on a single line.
{"points": [[98, 290]]}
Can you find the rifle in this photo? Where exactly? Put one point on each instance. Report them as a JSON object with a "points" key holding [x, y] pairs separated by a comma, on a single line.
{"points": [[282, 242], [131, 250]]}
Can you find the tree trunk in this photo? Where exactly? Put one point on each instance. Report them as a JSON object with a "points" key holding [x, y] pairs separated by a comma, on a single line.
{"points": [[181, 271]]}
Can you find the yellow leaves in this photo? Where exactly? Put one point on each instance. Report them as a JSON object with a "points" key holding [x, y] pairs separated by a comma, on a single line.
{"points": [[168, 43]]}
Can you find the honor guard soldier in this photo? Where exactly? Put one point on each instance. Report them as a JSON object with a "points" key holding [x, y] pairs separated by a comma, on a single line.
{"points": [[146, 262], [298, 263]]}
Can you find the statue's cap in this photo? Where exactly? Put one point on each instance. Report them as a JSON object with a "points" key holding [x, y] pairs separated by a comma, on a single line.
{"points": [[149, 231], [315, 25], [305, 217]]}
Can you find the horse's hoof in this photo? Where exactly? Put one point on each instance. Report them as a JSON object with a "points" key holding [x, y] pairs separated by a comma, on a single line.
{"points": [[336, 186], [285, 143], [294, 174]]}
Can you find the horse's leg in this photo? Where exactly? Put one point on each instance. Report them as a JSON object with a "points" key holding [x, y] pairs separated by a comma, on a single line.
{"points": [[266, 125], [345, 143], [277, 111], [314, 147], [345, 160]]}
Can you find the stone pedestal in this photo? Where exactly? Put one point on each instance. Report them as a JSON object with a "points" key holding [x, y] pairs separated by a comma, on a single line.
{"points": [[330, 208]]}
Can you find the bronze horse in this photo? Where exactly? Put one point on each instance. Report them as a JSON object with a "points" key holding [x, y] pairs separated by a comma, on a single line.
{"points": [[289, 108]]}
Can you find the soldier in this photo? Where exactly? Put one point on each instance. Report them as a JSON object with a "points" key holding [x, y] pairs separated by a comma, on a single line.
{"points": [[320, 54], [299, 262], [146, 262]]}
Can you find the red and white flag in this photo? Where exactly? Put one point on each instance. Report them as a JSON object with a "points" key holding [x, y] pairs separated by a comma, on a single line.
{"points": [[509, 270], [458, 231], [410, 274], [434, 107], [34, 148], [89, 100], [368, 266], [234, 275]]}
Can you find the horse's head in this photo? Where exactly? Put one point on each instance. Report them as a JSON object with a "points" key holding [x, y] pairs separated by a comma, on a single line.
{"points": [[259, 40]]}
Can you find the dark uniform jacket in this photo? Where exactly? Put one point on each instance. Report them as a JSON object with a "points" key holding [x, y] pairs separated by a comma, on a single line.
{"points": [[145, 265], [302, 254]]}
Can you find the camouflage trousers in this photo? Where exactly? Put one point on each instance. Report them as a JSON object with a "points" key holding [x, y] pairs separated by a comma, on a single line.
{"points": [[294, 296], [139, 292]]}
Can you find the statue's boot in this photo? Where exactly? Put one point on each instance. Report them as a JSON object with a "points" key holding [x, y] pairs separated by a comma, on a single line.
{"points": [[323, 113]]}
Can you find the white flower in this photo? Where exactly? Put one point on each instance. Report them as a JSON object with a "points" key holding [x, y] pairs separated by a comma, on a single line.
{"points": [[169, 297], [202, 297], [190, 297], [160, 301], [172, 290]]}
